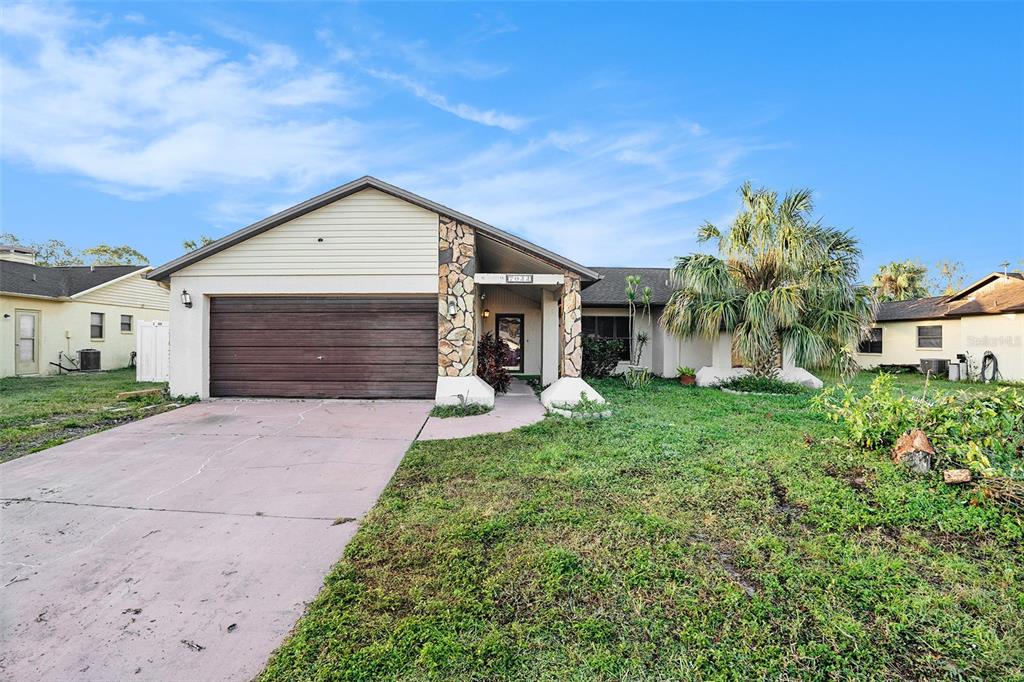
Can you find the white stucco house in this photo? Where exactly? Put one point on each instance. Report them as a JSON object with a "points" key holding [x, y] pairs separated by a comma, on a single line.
{"points": [[48, 314], [370, 291], [984, 317]]}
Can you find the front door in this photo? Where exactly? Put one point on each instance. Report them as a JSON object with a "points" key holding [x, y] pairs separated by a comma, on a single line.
{"points": [[26, 343], [509, 328]]}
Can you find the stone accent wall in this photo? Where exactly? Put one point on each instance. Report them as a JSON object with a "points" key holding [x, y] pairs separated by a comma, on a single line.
{"points": [[572, 326], [456, 333]]}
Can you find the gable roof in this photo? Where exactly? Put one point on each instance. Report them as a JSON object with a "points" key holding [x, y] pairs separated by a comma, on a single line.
{"points": [[365, 182], [975, 299], [611, 290], [60, 281]]}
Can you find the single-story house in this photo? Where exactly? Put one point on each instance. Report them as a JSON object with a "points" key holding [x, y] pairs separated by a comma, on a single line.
{"points": [[370, 291], [48, 314], [987, 316]]}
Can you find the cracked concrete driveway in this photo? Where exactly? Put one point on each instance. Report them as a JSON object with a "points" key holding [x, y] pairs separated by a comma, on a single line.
{"points": [[185, 546]]}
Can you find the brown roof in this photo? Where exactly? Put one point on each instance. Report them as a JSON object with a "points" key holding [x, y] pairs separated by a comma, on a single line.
{"points": [[991, 295]]}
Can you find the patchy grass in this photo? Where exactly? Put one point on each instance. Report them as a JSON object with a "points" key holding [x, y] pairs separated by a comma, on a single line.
{"points": [[40, 412], [694, 534], [468, 410]]}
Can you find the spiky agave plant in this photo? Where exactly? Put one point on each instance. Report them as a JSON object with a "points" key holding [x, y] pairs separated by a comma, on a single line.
{"points": [[780, 280]]}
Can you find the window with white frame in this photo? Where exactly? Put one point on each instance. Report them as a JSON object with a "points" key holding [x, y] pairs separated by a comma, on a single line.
{"points": [[872, 343], [96, 326], [930, 336], [126, 324]]}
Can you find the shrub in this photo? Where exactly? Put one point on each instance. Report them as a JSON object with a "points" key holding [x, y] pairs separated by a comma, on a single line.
{"points": [[983, 431], [600, 356], [467, 410], [637, 377], [493, 355], [754, 384], [683, 371]]}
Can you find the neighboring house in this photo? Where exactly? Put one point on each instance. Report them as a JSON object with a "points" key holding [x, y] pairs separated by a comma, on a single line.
{"points": [[987, 316], [370, 291], [50, 313]]}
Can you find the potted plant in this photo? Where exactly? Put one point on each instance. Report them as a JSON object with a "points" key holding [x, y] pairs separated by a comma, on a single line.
{"points": [[687, 375]]}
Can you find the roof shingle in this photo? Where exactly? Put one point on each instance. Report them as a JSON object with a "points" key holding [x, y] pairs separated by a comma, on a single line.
{"points": [[57, 282], [611, 290]]}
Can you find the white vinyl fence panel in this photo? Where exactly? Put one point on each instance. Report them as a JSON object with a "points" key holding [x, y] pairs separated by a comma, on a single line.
{"points": [[153, 351]]}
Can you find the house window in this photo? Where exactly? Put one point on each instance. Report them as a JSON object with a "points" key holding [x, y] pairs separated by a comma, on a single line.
{"points": [[609, 327], [126, 324], [929, 337], [872, 343], [96, 326]]}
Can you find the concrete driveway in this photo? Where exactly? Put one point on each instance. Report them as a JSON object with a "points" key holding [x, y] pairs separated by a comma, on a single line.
{"points": [[185, 546]]}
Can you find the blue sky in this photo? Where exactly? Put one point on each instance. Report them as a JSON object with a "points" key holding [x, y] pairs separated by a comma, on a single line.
{"points": [[607, 132]]}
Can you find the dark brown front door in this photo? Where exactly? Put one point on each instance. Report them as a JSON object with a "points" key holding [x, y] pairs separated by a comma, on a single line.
{"points": [[323, 347], [509, 328]]}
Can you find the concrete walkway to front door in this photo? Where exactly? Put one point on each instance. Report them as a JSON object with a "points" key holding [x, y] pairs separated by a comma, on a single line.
{"points": [[519, 407], [185, 546]]}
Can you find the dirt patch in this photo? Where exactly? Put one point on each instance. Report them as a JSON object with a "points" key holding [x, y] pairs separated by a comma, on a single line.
{"points": [[48, 438], [790, 511]]}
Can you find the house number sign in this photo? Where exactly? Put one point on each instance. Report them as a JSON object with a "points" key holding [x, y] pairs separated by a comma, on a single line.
{"points": [[519, 279]]}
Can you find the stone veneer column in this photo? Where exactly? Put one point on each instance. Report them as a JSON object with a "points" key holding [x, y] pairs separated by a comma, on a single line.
{"points": [[572, 326], [456, 336]]}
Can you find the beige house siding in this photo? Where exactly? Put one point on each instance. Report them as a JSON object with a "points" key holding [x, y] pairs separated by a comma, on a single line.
{"points": [[367, 233], [1001, 334], [134, 291], [64, 326], [899, 343], [372, 243]]}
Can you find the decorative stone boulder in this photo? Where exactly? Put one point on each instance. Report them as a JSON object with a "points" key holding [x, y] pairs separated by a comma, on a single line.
{"points": [[566, 392], [463, 391], [914, 451]]}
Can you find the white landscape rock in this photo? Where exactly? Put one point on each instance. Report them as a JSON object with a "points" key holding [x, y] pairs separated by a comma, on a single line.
{"points": [[459, 390], [567, 392]]}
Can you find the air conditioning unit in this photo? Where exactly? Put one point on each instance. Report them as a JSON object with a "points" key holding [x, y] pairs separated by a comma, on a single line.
{"points": [[935, 366], [89, 360]]}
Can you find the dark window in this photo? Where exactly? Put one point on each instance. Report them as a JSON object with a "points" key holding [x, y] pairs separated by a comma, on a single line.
{"points": [[126, 323], [929, 337], [609, 327], [872, 343], [95, 325]]}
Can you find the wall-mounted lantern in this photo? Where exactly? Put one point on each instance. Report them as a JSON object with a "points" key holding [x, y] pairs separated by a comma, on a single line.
{"points": [[186, 298], [487, 313]]}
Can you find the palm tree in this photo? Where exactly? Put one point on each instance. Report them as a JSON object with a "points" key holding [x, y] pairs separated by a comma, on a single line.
{"points": [[900, 281], [780, 280]]}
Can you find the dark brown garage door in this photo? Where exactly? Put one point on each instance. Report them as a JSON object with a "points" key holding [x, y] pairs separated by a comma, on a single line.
{"points": [[323, 347]]}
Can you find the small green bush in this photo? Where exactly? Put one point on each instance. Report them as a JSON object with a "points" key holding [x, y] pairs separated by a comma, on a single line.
{"points": [[493, 356], [600, 356], [467, 410], [637, 377], [983, 431], [752, 384]]}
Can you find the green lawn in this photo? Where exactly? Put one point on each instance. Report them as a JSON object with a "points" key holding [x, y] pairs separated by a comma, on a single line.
{"points": [[695, 534], [40, 412]]}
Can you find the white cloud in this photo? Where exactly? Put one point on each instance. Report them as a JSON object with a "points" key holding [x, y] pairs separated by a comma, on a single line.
{"points": [[160, 113], [488, 117], [259, 128]]}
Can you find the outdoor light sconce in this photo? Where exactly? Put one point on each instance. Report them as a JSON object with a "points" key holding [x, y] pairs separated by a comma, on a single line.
{"points": [[186, 298], [487, 313], [452, 308]]}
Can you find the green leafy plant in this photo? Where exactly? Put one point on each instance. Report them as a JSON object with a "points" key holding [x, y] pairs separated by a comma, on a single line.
{"points": [[636, 377], [493, 355], [600, 356], [463, 410], [754, 384], [683, 371], [634, 288], [982, 431], [780, 279], [900, 281]]}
